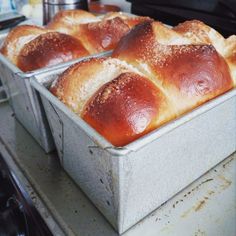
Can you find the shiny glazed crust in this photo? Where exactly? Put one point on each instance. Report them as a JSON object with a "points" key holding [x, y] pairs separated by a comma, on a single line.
{"points": [[77, 84], [126, 108], [198, 32], [130, 20], [95, 35], [190, 74], [124, 102], [49, 49], [67, 21], [166, 75], [17, 38], [101, 36]]}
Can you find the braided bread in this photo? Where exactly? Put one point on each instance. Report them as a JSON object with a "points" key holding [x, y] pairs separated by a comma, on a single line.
{"points": [[123, 100], [32, 47], [49, 49], [17, 38]]}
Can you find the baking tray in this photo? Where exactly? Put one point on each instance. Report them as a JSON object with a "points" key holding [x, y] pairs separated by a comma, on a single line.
{"points": [[128, 183], [25, 101]]}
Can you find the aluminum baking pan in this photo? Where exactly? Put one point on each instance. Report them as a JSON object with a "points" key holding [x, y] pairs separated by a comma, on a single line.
{"points": [[128, 183], [24, 100]]}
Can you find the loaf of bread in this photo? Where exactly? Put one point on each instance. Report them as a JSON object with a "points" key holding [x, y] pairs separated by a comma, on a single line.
{"points": [[114, 98], [97, 34], [49, 49], [67, 21], [198, 32], [32, 47], [130, 20], [144, 36], [17, 38], [148, 85]]}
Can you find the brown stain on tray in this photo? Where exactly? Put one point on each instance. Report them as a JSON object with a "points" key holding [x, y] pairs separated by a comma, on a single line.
{"points": [[191, 191], [186, 213], [196, 208], [200, 205], [226, 182]]}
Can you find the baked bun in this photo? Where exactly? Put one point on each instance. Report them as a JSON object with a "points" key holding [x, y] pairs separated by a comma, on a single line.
{"points": [[190, 74], [77, 84], [130, 20], [230, 55], [49, 49], [123, 102], [121, 105], [96, 34], [198, 32], [101, 36], [126, 108], [17, 38], [93, 34], [66, 21]]}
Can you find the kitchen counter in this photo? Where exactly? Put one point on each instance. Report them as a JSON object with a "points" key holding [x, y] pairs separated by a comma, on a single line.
{"points": [[206, 207]]}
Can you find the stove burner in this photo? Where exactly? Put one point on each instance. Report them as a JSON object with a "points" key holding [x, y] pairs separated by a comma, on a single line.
{"points": [[13, 221], [18, 216]]}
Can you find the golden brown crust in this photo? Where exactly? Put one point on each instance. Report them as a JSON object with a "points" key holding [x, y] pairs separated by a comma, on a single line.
{"points": [[17, 38], [195, 30], [200, 33], [101, 36], [170, 76], [67, 21], [130, 20], [144, 39], [122, 103], [138, 43], [49, 49], [71, 87], [193, 75], [189, 74], [96, 36], [126, 108], [230, 55], [78, 83]]}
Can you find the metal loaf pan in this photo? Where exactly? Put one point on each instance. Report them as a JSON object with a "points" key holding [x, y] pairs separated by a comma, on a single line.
{"points": [[26, 102], [128, 183]]}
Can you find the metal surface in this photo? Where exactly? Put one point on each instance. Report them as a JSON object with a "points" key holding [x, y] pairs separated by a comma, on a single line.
{"points": [[51, 7], [3, 96], [160, 164], [25, 101], [26, 104], [206, 207]]}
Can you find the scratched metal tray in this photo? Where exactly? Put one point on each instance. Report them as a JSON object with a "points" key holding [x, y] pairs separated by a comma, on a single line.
{"points": [[25, 101], [128, 183]]}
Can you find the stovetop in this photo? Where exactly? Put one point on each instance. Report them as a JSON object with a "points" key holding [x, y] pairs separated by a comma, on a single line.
{"points": [[18, 216]]}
